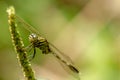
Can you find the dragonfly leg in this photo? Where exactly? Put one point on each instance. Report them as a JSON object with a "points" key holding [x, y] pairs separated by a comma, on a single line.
{"points": [[29, 48], [34, 53]]}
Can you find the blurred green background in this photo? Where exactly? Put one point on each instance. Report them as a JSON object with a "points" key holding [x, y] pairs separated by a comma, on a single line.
{"points": [[88, 31]]}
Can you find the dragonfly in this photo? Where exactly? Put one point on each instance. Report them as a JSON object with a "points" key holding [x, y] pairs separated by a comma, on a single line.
{"points": [[37, 41]]}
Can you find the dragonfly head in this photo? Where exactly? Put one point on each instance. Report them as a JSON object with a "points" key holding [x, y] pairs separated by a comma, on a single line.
{"points": [[33, 37]]}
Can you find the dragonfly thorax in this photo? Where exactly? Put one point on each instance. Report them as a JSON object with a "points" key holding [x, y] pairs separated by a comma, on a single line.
{"points": [[39, 42]]}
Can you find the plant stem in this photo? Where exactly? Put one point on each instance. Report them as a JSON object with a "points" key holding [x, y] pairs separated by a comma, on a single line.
{"points": [[19, 46]]}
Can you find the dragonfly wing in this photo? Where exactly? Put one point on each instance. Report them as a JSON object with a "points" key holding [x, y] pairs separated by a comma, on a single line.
{"points": [[61, 54], [27, 26], [70, 68], [63, 58]]}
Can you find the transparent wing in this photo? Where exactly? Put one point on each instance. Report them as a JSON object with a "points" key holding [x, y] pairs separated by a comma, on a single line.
{"points": [[27, 26], [33, 30], [65, 62], [61, 54]]}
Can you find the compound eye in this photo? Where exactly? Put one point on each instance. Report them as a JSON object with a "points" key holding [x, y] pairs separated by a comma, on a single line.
{"points": [[32, 37]]}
